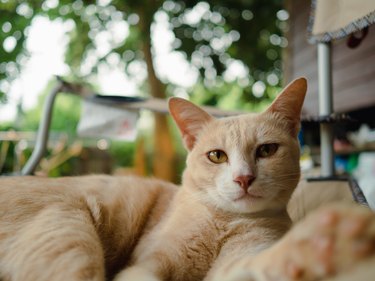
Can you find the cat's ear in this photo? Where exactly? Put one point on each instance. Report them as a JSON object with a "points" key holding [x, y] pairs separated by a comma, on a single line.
{"points": [[189, 119], [289, 103]]}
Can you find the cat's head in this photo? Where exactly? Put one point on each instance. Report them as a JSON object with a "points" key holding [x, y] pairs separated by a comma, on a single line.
{"points": [[246, 163]]}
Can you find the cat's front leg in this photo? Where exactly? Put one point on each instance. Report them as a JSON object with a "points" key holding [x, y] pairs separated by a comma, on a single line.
{"points": [[136, 273], [330, 243]]}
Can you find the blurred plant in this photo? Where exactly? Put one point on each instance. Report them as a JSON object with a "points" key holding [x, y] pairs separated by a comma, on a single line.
{"points": [[218, 38]]}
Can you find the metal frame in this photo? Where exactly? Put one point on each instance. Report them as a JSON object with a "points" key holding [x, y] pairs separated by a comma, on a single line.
{"points": [[326, 108], [43, 130]]}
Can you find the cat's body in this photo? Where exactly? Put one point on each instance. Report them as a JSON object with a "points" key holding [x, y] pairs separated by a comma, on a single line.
{"points": [[42, 219], [100, 217], [185, 247], [240, 174]]}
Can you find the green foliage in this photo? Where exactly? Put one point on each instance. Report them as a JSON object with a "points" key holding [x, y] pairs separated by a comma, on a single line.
{"points": [[12, 38], [247, 23], [123, 153], [224, 31], [231, 96], [247, 31]]}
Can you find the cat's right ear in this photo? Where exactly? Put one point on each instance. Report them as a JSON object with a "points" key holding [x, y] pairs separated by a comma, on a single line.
{"points": [[289, 103], [189, 118]]}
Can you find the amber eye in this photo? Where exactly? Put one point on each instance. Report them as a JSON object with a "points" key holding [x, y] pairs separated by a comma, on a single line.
{"points": [[217, 156], [266, 150]]}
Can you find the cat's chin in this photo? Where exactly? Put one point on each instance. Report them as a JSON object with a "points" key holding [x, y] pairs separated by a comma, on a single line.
{"points": [[249, 203], [245, 204]]}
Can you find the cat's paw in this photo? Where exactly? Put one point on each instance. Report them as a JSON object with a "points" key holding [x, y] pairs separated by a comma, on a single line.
{"points": [[329, 242]]}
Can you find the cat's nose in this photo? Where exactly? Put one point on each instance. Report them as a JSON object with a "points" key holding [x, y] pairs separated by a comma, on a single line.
{"points": [[244, 181]]}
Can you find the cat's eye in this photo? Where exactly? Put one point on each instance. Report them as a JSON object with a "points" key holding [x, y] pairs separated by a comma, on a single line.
{"points": [[217, 156], [266, 150]]}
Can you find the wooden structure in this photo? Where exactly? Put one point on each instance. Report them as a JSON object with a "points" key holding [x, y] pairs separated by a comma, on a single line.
{"points": [[340, 80], [353, 70]]}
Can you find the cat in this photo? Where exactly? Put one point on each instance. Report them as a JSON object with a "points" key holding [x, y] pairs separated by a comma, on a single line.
{"points": [[230, 209], [239, 176]]}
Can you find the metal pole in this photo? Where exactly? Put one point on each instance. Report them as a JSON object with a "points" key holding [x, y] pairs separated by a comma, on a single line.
{"points": [[326, 108], [43, 133]]}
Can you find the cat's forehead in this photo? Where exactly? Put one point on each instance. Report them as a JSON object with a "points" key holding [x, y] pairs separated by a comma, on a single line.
{"points": [[240, 124], [243, 119], [245, 129]]}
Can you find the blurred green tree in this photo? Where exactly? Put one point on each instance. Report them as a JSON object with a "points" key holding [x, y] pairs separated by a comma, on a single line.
{"points": [[213, 36]]}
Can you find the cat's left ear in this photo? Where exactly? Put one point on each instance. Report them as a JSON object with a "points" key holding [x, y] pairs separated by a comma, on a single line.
{"points": [[289, 103], [189, 118]]}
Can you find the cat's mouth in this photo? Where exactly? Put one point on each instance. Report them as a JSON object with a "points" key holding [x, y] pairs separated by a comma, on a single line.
{"points": [[248, 196]]}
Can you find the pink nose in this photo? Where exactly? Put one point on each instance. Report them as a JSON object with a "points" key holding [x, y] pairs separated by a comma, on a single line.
{"points": [[244, 181]]}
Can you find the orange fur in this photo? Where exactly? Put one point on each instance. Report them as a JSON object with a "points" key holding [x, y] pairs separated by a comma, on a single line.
{"points": [[64, 229], [335, 242]]}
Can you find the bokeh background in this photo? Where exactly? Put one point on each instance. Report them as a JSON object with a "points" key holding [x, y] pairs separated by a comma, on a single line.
{"points": [[211, 52], [234, 55]]}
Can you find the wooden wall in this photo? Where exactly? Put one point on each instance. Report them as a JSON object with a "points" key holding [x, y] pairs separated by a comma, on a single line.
{"points": [[353, 69]]}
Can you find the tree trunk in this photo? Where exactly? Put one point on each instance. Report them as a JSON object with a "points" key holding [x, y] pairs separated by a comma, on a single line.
{"points": [[163, 164]]}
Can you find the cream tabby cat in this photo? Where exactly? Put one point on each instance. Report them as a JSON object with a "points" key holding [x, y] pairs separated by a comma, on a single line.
{"points": [[239, 177]]}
